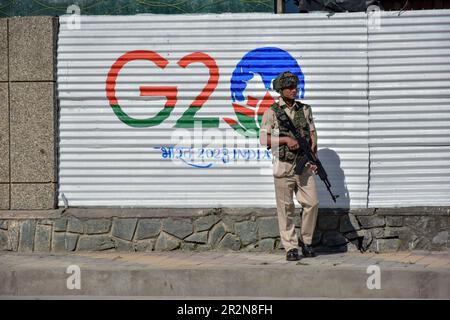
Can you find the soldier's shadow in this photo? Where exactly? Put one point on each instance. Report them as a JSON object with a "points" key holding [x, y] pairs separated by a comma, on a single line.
{"points": [[336, 229]]}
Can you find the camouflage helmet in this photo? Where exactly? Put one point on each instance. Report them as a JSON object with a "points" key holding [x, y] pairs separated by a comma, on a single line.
{"points": [[285, 80]]}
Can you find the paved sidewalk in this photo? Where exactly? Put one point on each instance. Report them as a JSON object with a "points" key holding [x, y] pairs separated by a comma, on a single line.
{"points": [[213, 274]]}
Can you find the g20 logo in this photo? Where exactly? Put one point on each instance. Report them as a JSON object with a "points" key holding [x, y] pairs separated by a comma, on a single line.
{"points": [[267, 62], [170, 92]]}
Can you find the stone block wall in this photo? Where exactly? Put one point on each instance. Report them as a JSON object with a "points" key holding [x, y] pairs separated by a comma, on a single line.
{"points": [[222, 229], [28, 124]]}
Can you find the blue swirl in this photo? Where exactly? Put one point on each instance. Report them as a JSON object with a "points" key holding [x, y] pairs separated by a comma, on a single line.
{"points": [[268, 62]]}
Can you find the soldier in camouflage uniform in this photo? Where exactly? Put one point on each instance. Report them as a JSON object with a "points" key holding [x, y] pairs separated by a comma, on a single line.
{"points": [[285, 151]]}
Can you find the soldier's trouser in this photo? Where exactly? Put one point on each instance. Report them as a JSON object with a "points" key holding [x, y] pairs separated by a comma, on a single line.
{"points": [[304, 187]]}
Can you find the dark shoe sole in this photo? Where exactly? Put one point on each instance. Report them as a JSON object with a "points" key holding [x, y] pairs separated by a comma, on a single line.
{"points": [[310, 255], [293, 259]]}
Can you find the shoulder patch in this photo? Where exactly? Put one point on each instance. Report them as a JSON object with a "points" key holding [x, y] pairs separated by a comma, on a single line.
{"points": [[275, 107], [306, 106]]}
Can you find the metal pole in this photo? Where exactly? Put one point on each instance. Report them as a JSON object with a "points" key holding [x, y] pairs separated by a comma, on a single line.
{"points": [[280, 6]]}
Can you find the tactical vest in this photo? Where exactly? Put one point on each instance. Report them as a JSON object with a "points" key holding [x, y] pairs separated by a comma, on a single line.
{"points": [[302, 126]]}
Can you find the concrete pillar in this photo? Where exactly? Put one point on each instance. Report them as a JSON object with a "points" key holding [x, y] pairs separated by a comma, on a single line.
{"points": [[4, 118], [27, 96], [32, 44], [3, 50]]}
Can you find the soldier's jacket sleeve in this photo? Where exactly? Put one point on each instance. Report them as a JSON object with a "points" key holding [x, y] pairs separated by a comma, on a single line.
{"points": [[312, 127], [269, 122], [309, 117]]}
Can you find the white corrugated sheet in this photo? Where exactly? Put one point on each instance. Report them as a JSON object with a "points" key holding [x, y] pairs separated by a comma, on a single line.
{"points": [[379, 91], [410, 176], [105, 162], [409, 103]]}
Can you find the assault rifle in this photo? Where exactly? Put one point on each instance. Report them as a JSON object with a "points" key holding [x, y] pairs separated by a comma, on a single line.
{"points": [[306, 148]]}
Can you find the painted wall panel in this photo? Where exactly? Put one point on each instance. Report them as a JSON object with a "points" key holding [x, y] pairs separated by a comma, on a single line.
{"points": [[107, 160], [409, 109]]}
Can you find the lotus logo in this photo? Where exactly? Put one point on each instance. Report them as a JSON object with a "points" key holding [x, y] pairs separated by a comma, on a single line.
{"points": [[267, 63]]}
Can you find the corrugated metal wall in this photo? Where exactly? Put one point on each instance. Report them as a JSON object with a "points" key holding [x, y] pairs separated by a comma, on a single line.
{"points": [[106, 162], [383, 92], [409, 98]]}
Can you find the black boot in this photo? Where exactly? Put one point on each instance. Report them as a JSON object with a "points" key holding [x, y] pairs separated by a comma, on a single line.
{"points": [[308, 251], [292, 255]]}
